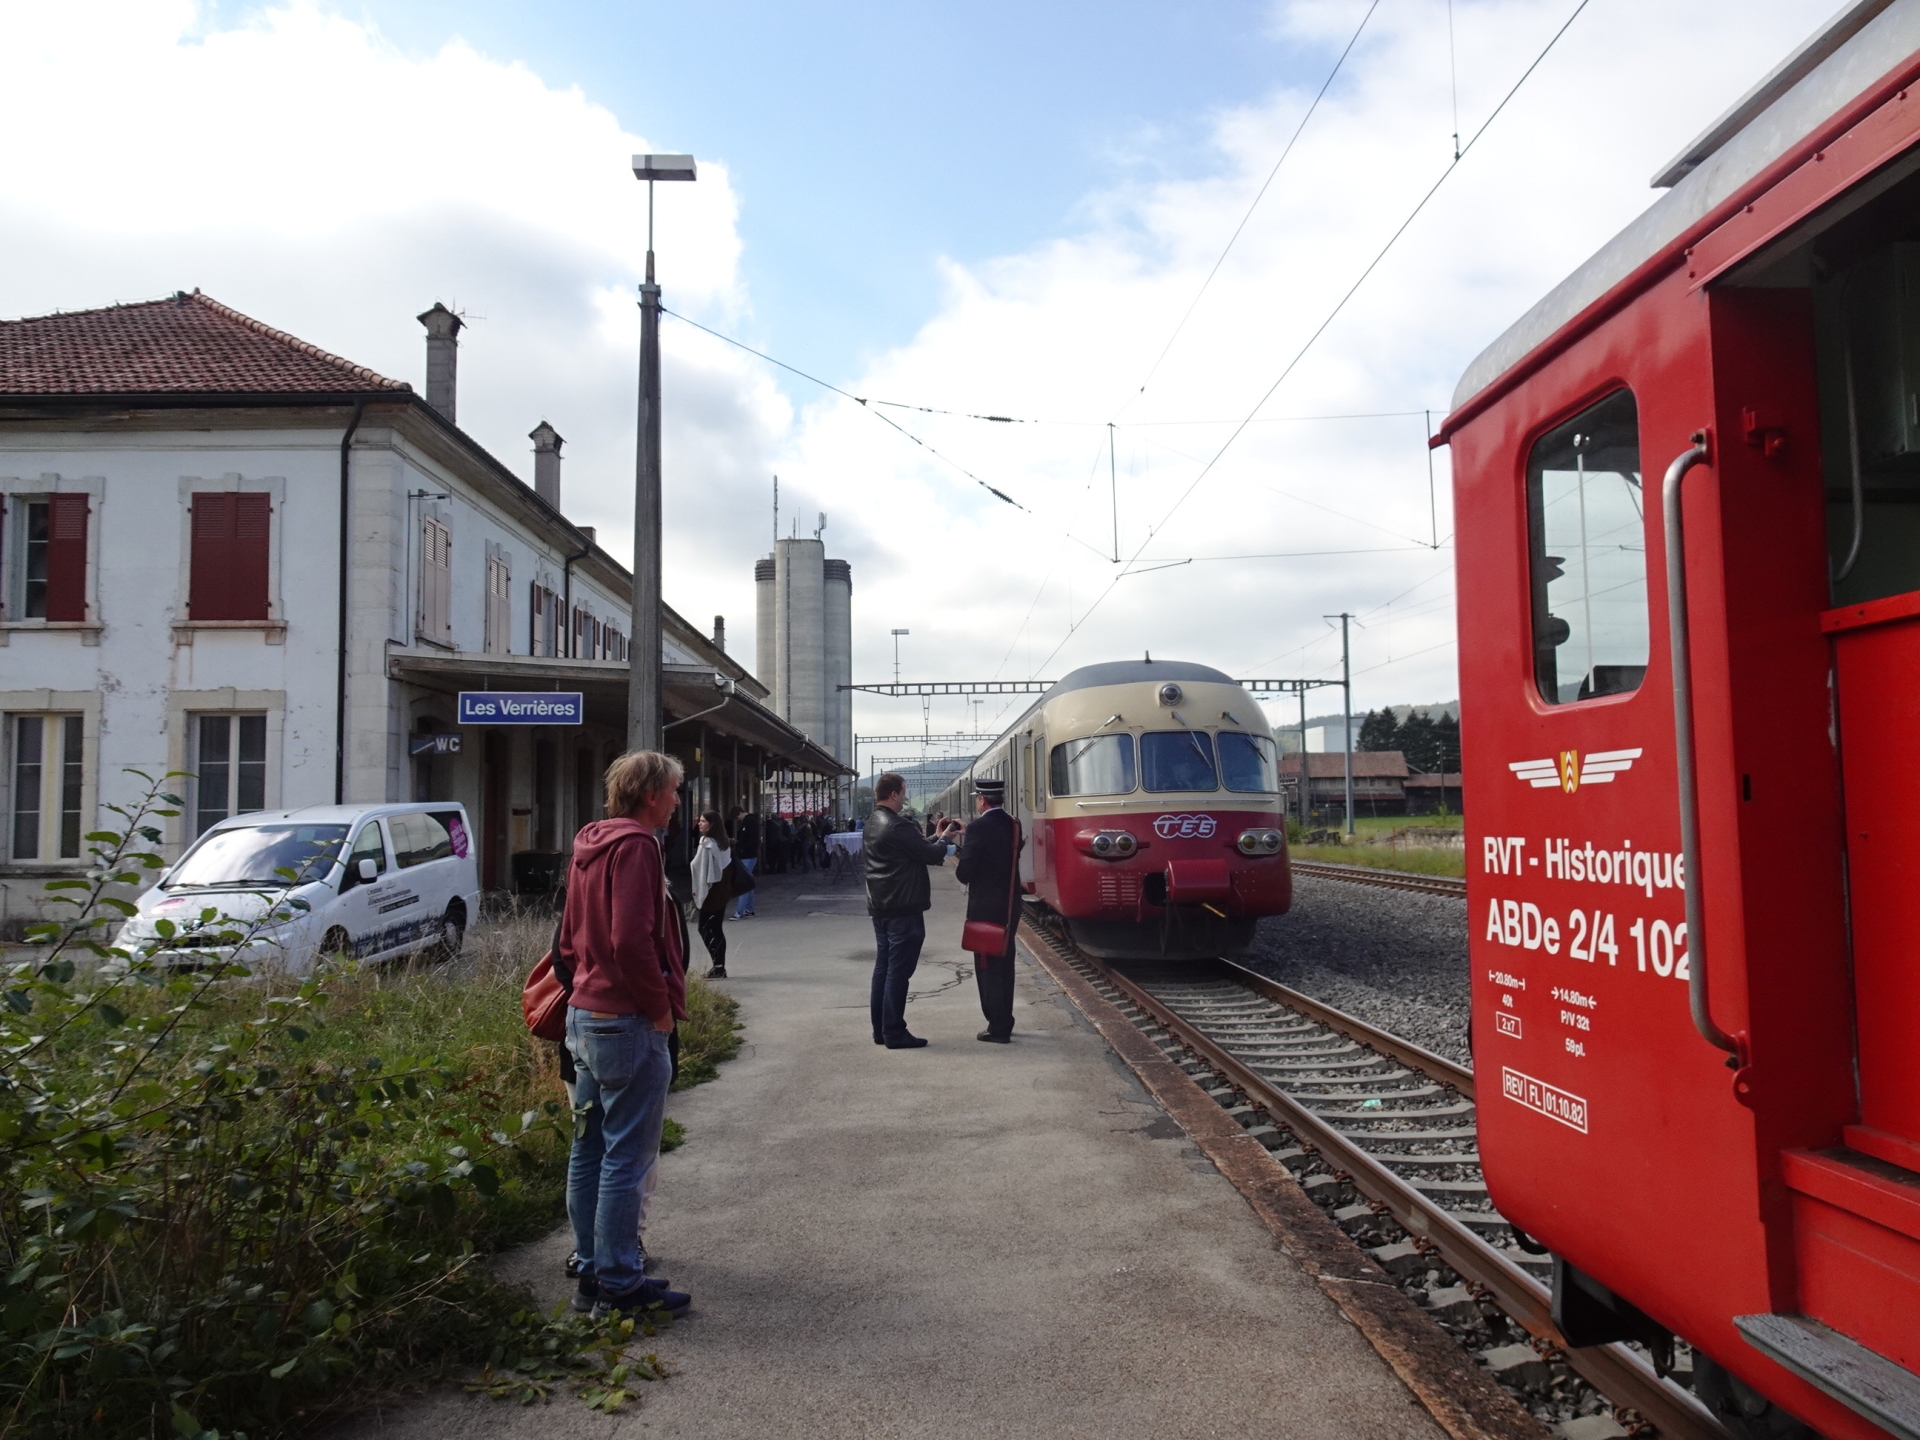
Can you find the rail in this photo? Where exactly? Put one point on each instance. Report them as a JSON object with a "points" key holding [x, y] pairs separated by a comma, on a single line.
{"points": [[1388, 879], [1342, 1087]]}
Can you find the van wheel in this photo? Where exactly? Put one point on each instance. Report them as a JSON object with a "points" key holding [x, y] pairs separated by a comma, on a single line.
{"points": [[453, 934], [336, 945]]}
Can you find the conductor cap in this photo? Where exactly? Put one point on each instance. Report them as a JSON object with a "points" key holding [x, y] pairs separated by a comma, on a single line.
{"points": [[992, 789]]}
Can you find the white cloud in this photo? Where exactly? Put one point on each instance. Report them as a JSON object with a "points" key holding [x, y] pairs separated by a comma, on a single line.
{"points": [[302, 169]]}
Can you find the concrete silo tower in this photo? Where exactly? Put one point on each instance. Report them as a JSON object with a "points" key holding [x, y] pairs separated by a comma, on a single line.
{"points": [[803, 643]]}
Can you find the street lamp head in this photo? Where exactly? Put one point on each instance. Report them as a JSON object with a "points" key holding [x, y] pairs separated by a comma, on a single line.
{"points": [[663, 167]]}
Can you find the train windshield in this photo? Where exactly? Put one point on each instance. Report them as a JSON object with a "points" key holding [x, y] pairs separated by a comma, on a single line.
{"points": [[1586, 527], [1247, 765], [1097, 765], [1178, 760]]}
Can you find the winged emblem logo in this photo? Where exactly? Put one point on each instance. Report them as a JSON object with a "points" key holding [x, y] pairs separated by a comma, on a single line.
{"points": [[1570, 769]]}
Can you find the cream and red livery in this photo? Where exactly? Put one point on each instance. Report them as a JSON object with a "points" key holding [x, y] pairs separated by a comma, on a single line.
{"points": [[1149, 793]]}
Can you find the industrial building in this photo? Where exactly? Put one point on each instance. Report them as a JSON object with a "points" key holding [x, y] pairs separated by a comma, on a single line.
{"points": [[804, 643]]}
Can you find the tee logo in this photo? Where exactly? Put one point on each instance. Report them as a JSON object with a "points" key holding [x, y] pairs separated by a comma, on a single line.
{"points": [[1570, 770], [1184, 827]]}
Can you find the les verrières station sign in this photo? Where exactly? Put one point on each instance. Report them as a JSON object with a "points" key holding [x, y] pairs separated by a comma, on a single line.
{"points": [[522, 707]]}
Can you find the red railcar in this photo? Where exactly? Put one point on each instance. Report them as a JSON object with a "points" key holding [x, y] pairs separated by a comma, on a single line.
{"points": [[1149, 791], [1688, 501]]}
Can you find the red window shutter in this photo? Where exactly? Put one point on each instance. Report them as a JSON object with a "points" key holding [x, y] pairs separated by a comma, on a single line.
{"points": [[67, 558], [228, 580], [209, 580], [253, 515]]}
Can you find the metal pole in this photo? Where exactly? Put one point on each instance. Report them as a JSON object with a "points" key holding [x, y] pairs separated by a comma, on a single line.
{"points": [[1346, 692], [644, 675], [1306, 779]]}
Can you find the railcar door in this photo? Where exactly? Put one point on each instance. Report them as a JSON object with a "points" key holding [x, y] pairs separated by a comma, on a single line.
{"points": [[1869, 320]]}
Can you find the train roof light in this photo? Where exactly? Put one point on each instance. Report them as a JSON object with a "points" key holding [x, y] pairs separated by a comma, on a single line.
{"points": [[1171, 694]]}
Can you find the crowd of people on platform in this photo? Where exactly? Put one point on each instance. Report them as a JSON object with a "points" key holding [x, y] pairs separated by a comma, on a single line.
{"points": [[620, 953]]}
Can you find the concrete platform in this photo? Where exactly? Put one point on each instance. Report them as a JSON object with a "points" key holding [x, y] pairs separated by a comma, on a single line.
{"points": [[966, 1240]]}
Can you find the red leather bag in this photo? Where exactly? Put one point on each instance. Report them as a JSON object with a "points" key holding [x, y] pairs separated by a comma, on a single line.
{"points": [[543, 1000], [983, 937]]}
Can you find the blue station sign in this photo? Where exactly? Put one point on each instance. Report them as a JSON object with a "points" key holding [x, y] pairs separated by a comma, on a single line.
{"points": [[522, 707]]}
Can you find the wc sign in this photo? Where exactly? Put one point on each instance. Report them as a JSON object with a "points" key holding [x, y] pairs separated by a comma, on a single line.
{"points": [[522, 707]]}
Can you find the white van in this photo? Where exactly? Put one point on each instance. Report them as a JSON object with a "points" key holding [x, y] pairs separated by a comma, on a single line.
{"points": [[379, 881]]}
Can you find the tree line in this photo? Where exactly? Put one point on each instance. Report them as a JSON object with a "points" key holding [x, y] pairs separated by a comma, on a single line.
{"points": [[1431, 743]]}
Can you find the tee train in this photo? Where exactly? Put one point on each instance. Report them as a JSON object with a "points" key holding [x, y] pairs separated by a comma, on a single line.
{"points": [[1687, 491], [1149, 794]]}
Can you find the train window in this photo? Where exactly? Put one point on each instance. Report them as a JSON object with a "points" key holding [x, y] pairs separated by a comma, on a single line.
{"points": [[1586, 530], [1247, 764], [1177, 760], [1097, 765]]}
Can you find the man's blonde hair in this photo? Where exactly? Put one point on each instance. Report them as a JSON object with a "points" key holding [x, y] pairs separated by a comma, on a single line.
{"points": [[637, 777]]}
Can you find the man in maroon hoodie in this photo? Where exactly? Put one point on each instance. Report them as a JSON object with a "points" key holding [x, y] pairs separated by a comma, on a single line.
{"points": [[619, 934]]}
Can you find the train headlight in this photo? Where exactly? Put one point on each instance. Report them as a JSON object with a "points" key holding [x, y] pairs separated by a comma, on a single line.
{"points": [[1171, 694], [1261, 842], [1113, 844]]}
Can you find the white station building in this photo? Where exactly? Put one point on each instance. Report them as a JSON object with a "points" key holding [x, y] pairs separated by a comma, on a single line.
{"points": [[227, 554]]}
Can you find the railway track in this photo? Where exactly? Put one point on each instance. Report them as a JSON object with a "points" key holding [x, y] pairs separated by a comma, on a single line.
{"points": [[1387, 879], [1391, 1120]]}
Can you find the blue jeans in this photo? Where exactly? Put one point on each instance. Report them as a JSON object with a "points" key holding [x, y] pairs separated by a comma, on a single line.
{"points": [[896, 952], [624, 1071], [744, 906]]}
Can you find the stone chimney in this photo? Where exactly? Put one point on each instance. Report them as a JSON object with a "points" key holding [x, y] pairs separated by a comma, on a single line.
{"points": [[443, 357], [546, 462], [720, 633]]}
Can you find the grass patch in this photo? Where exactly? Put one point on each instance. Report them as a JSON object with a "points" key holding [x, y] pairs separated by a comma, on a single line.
{"points": [[239, 1204]]}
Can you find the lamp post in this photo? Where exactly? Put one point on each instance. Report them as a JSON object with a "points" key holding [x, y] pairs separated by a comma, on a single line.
{"points": [[643, 683]]}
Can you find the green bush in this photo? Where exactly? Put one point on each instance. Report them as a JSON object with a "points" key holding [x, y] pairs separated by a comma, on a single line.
{"points": [[227, 1202]]}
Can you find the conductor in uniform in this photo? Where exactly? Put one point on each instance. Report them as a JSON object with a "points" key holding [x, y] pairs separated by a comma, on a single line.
{"points": [[989, 853]]}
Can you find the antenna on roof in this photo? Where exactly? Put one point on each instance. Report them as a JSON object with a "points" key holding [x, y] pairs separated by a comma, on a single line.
{"points": [[1149, 655]]}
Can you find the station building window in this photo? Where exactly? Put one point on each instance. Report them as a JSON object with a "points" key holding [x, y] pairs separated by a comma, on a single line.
{"points": [[1586, 531], [229, 767], [228, 567], [499, 616], [48, 780], [48, 563]]}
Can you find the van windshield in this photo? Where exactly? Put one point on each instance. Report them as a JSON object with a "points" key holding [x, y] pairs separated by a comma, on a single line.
{"points": [[251, 855]]}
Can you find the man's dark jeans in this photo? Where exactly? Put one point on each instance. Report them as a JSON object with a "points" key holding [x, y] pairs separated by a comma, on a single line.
{"points": [[896, 952]]}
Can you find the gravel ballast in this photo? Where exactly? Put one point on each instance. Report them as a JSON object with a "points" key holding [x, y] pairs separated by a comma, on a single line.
{"points": [[1393, 958]]}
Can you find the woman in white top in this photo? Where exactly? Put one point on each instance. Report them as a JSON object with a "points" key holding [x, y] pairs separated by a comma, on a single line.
{"points": [[710, 889]]}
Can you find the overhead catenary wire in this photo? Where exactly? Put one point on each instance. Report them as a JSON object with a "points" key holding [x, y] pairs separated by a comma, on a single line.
{"points": [[1259, 195], [1332, 315], [994, 491]]}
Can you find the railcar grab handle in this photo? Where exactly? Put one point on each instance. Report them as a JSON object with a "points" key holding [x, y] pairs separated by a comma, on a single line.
{"points": [[1675, 538]]}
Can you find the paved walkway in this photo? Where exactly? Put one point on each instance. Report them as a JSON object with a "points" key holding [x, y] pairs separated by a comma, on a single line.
{"points": [[967, 1240]]}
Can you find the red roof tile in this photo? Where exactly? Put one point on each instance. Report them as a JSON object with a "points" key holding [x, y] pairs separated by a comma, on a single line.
{"points": [[1330, 765], [183, 345]]}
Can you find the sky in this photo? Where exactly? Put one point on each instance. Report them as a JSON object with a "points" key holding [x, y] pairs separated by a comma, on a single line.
{"points": [[989, 209]]}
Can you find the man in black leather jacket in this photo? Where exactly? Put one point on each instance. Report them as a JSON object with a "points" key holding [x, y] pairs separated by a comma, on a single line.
{"points": [[898, 893]]}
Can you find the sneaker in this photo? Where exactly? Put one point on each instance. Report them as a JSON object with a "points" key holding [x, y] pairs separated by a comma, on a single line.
{"points": [[905, 1042], [586, 1295], [647, 1295], [718, 972], [573, 1265]]}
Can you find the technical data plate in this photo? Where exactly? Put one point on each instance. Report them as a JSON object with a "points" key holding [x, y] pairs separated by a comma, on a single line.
{"points": [[1885, 1393]]}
